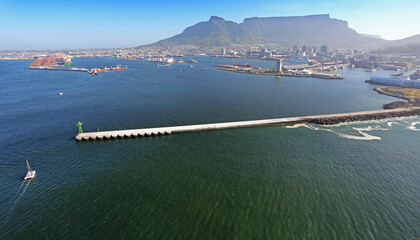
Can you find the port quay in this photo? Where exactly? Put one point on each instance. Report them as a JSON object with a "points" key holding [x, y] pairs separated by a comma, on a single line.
{"points": [[329, 119], [62, 62]]}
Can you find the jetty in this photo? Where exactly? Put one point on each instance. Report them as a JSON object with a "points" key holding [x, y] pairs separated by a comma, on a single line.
{"points": [[329, 119]]}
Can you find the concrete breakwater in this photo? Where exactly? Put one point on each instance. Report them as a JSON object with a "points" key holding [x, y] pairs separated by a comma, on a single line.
{"points": [[329, 119]]}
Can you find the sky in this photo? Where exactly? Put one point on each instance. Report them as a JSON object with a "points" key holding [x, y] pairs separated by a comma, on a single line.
{"points": [[59, 24]]}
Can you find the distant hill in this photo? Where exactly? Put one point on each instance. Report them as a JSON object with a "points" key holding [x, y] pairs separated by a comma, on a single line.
{"points": [[410, 40], [285, 31], [408, 49]]}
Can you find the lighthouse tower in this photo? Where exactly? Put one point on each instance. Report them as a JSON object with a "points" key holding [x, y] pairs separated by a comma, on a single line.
{"points": [[279, 66]]}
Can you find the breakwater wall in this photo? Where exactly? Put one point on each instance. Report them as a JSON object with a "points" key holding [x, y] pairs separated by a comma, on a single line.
{"points": [[329, 119], [62, 69], [366, 116]]}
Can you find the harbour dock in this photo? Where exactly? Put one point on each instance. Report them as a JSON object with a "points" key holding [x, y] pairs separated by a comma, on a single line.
{"points": [[269, 72], [329, 119]]}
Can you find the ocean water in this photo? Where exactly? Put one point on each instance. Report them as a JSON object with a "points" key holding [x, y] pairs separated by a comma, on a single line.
{"points": [[350, 181]]}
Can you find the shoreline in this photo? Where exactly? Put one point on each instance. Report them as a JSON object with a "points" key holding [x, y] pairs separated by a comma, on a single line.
{"points": [[401, 93]]}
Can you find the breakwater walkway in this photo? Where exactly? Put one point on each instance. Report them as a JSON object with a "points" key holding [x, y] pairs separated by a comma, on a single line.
{"points": [[329, 119]]}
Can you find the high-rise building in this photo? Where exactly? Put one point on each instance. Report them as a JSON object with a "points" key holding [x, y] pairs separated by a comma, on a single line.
{"points": [[324, 49], [223, 51], [310, 50]]}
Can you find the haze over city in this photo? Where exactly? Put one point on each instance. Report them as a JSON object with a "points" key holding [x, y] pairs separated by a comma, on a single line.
{"points": [[265, 119], [105, 24]]}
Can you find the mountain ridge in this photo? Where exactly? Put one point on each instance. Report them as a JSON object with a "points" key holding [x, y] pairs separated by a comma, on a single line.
{"points": [[286, 31]]}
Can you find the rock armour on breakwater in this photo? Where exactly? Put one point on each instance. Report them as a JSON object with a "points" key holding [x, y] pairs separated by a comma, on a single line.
{"points": [[365, 117]]}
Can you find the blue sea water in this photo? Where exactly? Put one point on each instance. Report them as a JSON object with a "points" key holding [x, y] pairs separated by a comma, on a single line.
{"points": [[351, 181]]}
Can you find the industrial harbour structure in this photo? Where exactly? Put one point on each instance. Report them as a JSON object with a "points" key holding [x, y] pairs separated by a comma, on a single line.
{"points": [[318, 119], [62, 62], [55, 60], [398, 80], [280, 70]]}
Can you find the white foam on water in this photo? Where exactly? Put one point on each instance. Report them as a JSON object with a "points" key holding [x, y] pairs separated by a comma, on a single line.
{"points": [[297, 125], [361, 131], [390, 123], [364, 136], [370, 128], [413, 126]]}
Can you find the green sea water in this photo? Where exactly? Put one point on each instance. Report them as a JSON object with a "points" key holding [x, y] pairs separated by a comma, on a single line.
{"points": [[351, 181]]}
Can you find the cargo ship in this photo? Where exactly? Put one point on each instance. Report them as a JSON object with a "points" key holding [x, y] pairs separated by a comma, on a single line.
{"points": [[117, 68], [100, 70], [247, 65]]}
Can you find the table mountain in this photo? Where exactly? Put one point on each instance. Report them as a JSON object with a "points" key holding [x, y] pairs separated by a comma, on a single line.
{"points": [[284, 31]]}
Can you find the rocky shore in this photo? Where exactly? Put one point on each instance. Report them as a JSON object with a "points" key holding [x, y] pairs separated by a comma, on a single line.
{"points": [[406, 112], [410, 95]]}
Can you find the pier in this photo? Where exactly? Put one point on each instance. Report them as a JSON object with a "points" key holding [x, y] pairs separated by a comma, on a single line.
{"points": [[329, 119]]}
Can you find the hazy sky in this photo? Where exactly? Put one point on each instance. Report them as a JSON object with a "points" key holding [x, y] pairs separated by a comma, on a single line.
{"points": [[89, 24]]}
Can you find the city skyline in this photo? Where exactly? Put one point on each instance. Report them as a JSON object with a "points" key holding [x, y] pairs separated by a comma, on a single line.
{"points": [[104, 24]]}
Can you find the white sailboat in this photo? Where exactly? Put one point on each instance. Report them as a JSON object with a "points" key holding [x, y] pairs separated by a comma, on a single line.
{"points": [[31, 173]]}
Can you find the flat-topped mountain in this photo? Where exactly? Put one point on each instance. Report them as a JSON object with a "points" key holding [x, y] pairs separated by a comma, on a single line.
{"points": [[313, 30], [310, 30], [285, 31]]}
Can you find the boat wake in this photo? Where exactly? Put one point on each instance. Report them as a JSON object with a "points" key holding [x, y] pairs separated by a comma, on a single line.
{"points": [[19, 194]]}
